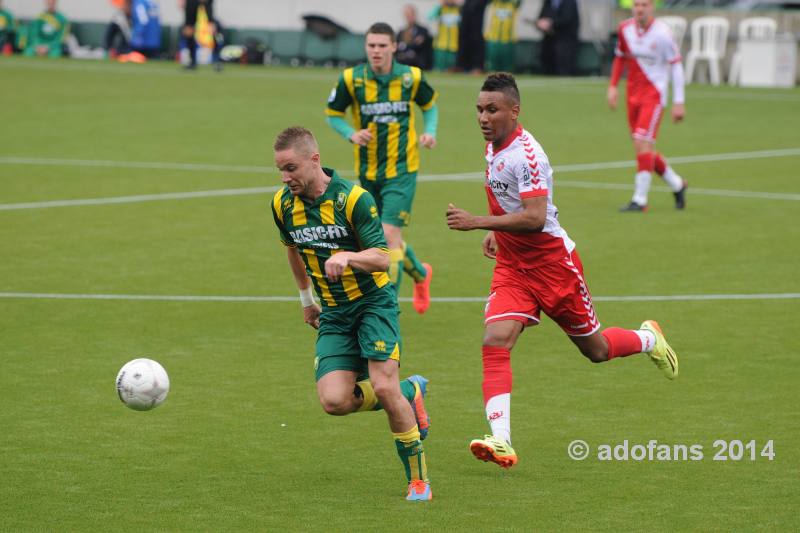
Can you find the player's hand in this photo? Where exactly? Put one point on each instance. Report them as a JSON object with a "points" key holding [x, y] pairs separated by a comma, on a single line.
{"points": [[361, 137], [612, 96], [490, 245], [678, 112], [335, 265], [311, 315], [459, 219], [427, 140]]}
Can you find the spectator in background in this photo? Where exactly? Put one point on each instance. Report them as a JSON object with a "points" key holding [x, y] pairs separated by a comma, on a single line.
{"points": [[501, 35], [47, 32], [470, 37], [7, 30], [413, 41], [118, 32], [559, 22], [445, 45]]}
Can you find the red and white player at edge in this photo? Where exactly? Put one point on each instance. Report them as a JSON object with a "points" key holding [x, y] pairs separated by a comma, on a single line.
{"points": [[537, 268], [645, 46]]}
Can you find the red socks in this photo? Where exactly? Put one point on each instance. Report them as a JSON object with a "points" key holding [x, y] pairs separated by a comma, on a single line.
{"points": [[645, 161], [496, 371], [660, 164], [621, 342]]}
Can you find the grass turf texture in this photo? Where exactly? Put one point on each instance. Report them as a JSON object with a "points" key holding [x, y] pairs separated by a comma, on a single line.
{"points": [[241, 442]]}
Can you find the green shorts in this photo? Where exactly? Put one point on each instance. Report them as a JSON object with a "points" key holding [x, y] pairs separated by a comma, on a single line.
{"points": [[444, 59], [499, 56], [393, 197], [351, 334]]}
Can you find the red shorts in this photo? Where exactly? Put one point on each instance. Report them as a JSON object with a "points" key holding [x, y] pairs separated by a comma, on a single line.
{"points": [[644, 118], [557, 288]]}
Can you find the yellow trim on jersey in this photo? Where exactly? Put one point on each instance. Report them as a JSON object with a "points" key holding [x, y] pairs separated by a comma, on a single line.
{"points": [[381, 278], [351, 288], [395, 90], [313, 264], [411, 147], [299, 212], [431, 103], [352, 199], [333, 113], [372, 153], [276, 204], [396, 352], [392, 149], [416, 74], [347, 75], [326, 212], [371, 90]]}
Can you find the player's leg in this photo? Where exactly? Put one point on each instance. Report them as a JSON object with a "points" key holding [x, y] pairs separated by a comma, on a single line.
{"points": [[397, 198], [677, 184], [509, 309], [575, 313], [379, 340], [190, 20]]}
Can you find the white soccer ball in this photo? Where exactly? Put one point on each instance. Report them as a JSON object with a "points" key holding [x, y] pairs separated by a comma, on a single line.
{"points": [[142, 384]]}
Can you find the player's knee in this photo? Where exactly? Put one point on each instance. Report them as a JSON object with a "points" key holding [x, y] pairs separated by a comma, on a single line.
{"points": [[500, 339], [335, 405]]}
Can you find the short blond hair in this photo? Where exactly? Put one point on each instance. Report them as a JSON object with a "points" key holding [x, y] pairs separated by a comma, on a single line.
{"points": [[297, 137]]}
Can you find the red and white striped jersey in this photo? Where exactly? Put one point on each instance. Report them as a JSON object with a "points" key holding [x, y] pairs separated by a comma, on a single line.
{"points": [[520, 169], [648, 55]]}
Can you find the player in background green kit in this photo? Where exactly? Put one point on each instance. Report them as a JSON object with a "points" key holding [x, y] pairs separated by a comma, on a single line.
{"points": [[46, 33], [335, 243], [381, 94], [447, 15], [501, 35]]}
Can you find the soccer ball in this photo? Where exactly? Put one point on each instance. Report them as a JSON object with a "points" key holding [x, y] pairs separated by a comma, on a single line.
{"points": [[142, 384]]}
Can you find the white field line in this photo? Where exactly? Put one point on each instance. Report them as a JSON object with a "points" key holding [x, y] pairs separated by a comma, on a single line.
{"points": [[454, 299], [204, 167], [462, 176], [593, 85]]}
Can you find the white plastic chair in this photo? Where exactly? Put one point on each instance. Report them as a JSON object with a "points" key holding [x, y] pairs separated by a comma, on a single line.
{"points": [[709, 39], [750, 28], [677, 25]]}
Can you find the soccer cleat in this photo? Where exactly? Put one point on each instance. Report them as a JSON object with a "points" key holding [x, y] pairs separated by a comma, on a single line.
{"points": [[418, 405], [419, 491], [490, 448], [633, 206], [680, 196], [662, 354], [422, 291]]}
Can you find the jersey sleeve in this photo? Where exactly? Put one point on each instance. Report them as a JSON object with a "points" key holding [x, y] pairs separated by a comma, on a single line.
{"points": [[339, 98], [277, 215], [367, 223], [670, 49], [426, 95], [622, 46], [530, 172]]}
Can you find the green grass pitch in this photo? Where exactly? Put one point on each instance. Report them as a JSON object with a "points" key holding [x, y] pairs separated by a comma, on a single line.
{"points": [[242, 444]]}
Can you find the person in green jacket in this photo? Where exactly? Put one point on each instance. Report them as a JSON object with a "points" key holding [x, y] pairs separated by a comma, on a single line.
{"points": [[47, 32], [7, 29]]}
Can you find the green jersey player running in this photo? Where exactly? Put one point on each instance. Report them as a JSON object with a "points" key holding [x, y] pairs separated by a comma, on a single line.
{"points": [[335, 243], [381, 94]]}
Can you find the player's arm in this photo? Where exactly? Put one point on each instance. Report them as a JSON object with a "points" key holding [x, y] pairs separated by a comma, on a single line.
{"points": [[617, 69], [530, 220], [678, 95], [425, 98], [366, 224], [311, 310]]}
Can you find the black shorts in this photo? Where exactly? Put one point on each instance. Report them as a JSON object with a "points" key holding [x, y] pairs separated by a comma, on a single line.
{"points": [[190, 11]]}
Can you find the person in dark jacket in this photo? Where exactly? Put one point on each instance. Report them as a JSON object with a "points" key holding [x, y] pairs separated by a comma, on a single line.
{"points": [[559, 22]]}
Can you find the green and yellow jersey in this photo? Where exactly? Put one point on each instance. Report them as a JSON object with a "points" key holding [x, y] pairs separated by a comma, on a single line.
{"points": [[383, 105], [7, 23], [344, 218], [447, 33], [502, 21], [48, 29]]}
